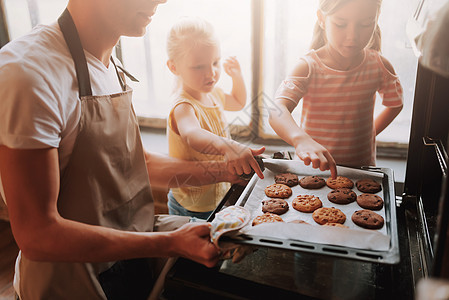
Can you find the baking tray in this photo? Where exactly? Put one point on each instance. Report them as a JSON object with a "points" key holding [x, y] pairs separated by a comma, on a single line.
{"points": [[389, 256]]}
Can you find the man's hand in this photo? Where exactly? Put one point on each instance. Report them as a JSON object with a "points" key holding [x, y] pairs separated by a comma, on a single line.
{"points": [[192, 241]]}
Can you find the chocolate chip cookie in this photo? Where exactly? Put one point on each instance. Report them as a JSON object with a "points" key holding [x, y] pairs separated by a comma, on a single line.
{"points": [[278, 190], [370, 201], [340, 182], [367, 219], [312, 182], [275, 206], [287, 179], [328, 215], [306, 203], [342, 196], [368, 186], [267, 218]]}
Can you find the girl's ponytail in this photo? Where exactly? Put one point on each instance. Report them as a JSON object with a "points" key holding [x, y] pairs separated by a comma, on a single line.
{"points": [[318, 37], [376, 39]]}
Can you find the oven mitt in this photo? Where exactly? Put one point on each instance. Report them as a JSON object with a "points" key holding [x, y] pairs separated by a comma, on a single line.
{"points": [[228, 222]]}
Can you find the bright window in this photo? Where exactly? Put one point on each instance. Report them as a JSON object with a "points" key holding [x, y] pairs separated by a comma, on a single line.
{"points": [[22, 15]]}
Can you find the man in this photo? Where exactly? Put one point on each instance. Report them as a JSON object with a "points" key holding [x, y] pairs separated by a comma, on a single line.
{"points": [[73, 171]]}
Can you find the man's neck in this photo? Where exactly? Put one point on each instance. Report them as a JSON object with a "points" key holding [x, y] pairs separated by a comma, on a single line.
{"points": [[94, 35]]}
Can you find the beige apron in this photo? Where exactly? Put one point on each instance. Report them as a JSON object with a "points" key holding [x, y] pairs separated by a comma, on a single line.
{"points": [[105, 183]]}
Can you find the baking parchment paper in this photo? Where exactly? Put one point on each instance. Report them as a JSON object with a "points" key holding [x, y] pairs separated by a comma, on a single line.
{"points": [[354, 236]]}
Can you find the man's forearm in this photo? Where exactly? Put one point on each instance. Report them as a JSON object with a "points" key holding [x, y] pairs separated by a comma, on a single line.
{"points": [[166, 172], [70, 241]]}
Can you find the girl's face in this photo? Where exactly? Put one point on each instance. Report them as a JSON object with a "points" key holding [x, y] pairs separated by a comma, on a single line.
{"points": [[350, 28], [199, 69]]}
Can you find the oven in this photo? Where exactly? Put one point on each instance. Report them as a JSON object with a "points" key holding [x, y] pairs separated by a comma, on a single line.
{"points": [[426, 196], [421, 215]]}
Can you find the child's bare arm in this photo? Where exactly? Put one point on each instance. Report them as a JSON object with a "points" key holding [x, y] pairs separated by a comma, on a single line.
{"points": [[385, 118], [306, 148], [239, 158], [237, 99], [285, 126], [389, 113]]}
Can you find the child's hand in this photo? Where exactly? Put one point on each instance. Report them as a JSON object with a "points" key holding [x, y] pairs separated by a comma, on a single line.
{"points": [[232, 66], [240, 158], [310, 151]]}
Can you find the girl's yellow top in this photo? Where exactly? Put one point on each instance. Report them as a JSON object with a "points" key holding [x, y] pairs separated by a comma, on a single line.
{"points": [[211, 118]]}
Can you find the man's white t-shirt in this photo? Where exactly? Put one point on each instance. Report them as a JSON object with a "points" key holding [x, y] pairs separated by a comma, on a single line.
{"points": [[39, 99]]}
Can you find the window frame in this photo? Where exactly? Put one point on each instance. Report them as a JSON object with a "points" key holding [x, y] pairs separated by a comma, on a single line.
{"points": [[4, 32]]}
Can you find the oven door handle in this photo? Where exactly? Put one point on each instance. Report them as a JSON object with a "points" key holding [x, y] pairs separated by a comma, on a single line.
{"points": [[439, 150]]}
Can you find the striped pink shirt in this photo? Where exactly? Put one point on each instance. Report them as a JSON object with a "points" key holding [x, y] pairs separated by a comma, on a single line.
{"points": [[338, 107]]}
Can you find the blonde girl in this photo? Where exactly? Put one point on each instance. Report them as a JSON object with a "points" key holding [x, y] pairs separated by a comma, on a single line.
{"points": [[338, 80], [197, 129]]}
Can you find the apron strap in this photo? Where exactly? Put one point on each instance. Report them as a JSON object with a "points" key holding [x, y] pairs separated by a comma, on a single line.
{"points": [[129, 75], [73, 41], [122, 78]]}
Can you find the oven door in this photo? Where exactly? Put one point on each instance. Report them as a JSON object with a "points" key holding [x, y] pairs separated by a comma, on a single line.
{"points": [[425, 194]]}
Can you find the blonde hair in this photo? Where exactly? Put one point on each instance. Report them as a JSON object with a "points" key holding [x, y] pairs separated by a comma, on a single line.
{"points": [[184, 36], [187, 33], [328, 7]]}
